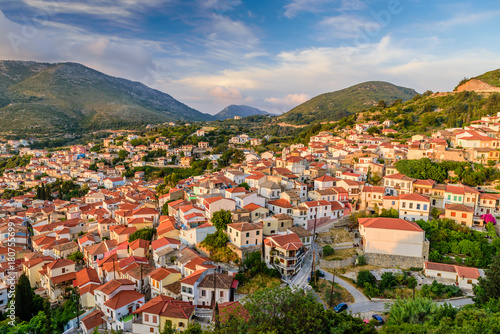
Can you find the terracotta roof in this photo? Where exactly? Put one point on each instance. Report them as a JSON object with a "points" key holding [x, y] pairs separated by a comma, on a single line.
{"points": [[111, 286], [390, 224], [285, 241], [85, 276], [223, 281], [439, 267], [458, 207], [414, 197], [283, 203], [59, 263], [252, 207], [168, 307], [232, 309], [164, 241], [466, 272], [191, 279], [123, 298], [92, 320], [160, 273], [242, 227]]}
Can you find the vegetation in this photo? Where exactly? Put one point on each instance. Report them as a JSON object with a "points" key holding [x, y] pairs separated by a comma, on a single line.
{"points": [[16, 161], [144, 234], [448, 237], [465, 172], [488, 288]]}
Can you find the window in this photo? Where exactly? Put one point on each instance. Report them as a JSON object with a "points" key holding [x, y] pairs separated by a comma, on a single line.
{"points": [[203, 293], [247, 242], [464, 215], [63, 270], [449, 197], [222, 294], [248, 234], [393, 202], [257, 233], [411, 205], [236, 233], [425, 207], [155, 318], [460, 198], [151, 329], [454, 198], [403, 204], [453, 214], [418, 206], [469, 281], [146, 317]]}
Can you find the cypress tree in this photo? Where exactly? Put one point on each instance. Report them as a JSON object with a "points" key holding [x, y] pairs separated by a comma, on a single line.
{"points": [[24, 299]]}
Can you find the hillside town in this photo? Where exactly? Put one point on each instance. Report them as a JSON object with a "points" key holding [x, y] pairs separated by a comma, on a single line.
{"points": [[77, 219]]}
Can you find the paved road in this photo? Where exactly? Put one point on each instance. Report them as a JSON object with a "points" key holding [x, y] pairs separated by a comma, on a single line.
{"points": [[363, 305], [358, 296]]}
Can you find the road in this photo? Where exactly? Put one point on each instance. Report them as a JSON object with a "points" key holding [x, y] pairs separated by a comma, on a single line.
{"points": [[364, 305]]}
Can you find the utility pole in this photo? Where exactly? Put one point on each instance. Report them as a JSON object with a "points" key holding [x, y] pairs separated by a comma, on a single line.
{"points": [[331, 293], [215, 290], [313, 267]]}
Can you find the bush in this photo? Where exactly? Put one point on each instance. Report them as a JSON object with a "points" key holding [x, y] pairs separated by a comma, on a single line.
{"points": [[388, 281], [370, 290], [361, 260], [365, 276], [328, 250]]}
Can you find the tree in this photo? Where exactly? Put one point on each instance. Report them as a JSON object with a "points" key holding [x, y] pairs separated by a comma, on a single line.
{"points": [[328, 250], [76, 257], [365, 276], [488, 287], [244, 185], [144, 234], [411, 311], [221, 218], [24, 299], [388, 281]]}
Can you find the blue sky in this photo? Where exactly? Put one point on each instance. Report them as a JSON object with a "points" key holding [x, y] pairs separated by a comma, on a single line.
{"points": [[272, 55]]}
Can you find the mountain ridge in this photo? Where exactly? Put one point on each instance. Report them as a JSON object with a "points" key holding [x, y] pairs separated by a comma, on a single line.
{"points": [[73, 96], [239, 110]]}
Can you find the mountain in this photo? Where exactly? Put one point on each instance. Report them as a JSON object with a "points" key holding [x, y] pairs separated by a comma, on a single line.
{"points": [[70, 97], [243, 111], [333, 106]]}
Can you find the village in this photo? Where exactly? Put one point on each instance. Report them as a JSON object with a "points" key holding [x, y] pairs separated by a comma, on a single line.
{"points": [[287, 206]]}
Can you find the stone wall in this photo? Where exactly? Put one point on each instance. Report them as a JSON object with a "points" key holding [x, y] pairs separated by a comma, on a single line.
{"points": [[339, 263], [242, 252], [393, 261]]}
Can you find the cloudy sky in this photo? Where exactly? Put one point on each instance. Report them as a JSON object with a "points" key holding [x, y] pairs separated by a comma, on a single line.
{"points": [[271, 54]]}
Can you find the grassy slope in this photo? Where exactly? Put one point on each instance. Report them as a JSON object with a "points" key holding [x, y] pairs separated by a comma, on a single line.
{"points": [[492, 78]]}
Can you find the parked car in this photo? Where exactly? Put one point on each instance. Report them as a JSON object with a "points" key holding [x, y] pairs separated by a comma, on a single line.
{"points": [[340, 307], [378, 318]]}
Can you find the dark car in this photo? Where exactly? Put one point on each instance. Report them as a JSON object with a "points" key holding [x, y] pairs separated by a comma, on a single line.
{"points": [[340, 307], [378, 318]]}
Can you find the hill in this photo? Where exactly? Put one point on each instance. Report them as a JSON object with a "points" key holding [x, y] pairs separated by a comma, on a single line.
{"points": [[39, 97], [238, 110], [488, 82], [333, 106]]}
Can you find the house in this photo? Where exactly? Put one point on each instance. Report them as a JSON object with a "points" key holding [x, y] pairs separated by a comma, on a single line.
{"points": [[56, 276], [152, 316], [114, 182], [245, 237], [163, 248], [269, 190], [461, 214], [217, 203], [304, 235], [87, 280], [393, 242], [414, 207], [325, 182], [285, 252], [396, 184], [464, 277], [216, 288], [276, 223], [117, 299], [93, 321], [195, 235], [161, 277]]}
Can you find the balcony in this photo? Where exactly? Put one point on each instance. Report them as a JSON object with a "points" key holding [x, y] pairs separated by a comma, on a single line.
{"points": [[127, 318]]}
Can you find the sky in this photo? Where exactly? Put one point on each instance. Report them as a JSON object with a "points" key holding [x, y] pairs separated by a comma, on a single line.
{"points": [[273, 55]]}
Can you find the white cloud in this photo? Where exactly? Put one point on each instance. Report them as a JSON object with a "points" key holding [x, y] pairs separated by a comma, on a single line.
{"points": [[290, 100], [348, 26], [297, 6], [226, 93]]}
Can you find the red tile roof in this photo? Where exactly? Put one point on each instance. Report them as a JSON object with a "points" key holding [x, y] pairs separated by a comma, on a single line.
{"points": [[390, 224], [123, 298]]}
